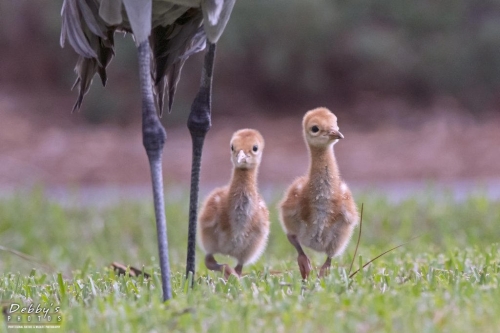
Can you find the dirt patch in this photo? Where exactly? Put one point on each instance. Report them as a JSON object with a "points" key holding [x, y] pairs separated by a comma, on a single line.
{"points": [[62, 151]]}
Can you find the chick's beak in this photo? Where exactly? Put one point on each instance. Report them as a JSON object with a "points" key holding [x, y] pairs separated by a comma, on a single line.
{"points": [[241, 156], [335, 134]]}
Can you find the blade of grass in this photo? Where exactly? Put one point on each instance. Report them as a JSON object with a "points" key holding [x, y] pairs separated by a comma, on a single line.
{"points": [[26, 257], [359, 238], [380, 255]]}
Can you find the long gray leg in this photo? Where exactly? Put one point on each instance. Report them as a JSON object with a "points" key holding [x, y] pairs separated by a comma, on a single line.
{"points": [[199, 123], [153, 138]]}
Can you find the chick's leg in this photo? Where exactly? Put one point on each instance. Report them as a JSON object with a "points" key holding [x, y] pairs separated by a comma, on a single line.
{"points": [[325, 269], [213, 265], [238, 269], [302, 259]]}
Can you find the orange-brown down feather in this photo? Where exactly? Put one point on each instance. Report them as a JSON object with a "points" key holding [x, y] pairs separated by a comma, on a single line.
{"points": [[234, 219], [318, 210]]}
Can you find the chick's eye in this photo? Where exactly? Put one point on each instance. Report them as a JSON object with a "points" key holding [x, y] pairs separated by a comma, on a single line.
{"points": [[232, 148], [255, 148], [315, 129]]}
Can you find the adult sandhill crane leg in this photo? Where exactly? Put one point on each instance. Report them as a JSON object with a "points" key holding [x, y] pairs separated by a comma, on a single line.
{"points": [[153, 138], [199, 123]]}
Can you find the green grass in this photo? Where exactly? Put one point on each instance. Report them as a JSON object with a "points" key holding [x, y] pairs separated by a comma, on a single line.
{"points": [[447, 280]]}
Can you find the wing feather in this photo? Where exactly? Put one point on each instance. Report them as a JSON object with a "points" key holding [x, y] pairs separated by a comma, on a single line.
{"points": [[172, 45], [139, 16], [73, 31], [89, 12], [111, 11], [177, 29], [216, 14]]}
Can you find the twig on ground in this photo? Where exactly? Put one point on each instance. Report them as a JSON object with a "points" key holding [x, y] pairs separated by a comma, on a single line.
{"points": [[134, 272]]}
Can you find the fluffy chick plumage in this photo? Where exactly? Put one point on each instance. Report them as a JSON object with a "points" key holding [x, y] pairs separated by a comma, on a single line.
{"points": [[234, 219], [318, 210]]}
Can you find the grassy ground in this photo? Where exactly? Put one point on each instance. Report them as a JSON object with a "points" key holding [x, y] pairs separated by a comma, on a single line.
{"points": [[445, 281]]}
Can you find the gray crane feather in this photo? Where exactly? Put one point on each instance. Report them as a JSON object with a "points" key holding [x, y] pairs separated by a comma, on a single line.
{"points": [[176, 29]]}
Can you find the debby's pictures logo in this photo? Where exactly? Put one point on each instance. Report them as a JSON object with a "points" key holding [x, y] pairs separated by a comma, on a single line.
{"points": [[33, 315]]}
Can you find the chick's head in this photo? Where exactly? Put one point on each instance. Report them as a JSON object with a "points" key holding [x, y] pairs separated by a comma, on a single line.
{"points": [[246, 148]]}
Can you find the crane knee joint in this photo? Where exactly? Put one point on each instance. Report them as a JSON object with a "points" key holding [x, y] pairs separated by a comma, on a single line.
{"points": [[199, 123], [153, 138]]}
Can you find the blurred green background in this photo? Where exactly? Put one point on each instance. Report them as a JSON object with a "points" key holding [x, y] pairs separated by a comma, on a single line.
{"points": [[283, 56]]}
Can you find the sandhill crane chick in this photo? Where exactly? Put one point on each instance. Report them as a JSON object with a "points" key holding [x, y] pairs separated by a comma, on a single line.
{"points": [[318, 210], [234, 219]]}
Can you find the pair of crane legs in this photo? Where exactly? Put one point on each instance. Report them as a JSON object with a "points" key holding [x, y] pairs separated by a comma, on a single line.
{"points": [[302, 260], [154, 137]]}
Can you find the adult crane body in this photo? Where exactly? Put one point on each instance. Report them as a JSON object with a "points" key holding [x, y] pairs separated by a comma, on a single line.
{"points": [[168, 32]]}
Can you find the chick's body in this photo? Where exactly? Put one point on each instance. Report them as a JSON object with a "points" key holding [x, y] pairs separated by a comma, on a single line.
{"points": [[318, 209], [234, 219]]}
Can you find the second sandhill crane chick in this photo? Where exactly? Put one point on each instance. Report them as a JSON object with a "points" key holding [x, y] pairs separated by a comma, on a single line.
{"points": [[234, 219], [318, 210]]}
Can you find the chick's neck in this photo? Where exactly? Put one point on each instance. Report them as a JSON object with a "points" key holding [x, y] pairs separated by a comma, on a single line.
{"points": [[323, 168]]}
